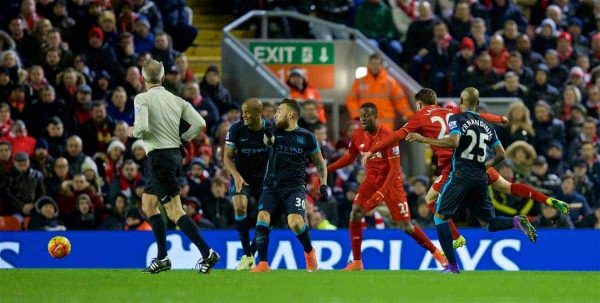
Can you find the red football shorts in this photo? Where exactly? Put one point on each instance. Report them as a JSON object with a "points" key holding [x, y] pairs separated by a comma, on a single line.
{"points": [[395, 200]]}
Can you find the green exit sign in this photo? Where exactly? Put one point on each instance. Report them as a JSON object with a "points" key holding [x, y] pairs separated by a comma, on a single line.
{"points": [[293, 52]]}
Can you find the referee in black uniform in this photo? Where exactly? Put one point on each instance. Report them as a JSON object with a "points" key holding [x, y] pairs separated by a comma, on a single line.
{"points": [[157, 117]]}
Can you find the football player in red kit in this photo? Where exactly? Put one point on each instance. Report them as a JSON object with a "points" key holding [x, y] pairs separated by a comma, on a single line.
{"points": [[384, 182], [431, 122]]}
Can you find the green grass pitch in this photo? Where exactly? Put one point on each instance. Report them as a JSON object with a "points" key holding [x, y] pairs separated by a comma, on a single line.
{"points": [[47, 285]]}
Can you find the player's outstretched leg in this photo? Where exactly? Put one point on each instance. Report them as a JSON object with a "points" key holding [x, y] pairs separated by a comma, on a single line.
{"points": [[240, 203], [159, 229], [356, 235], [445, 238], [209, 257], [420, 237], [519, 222], [524, 191], [262, 241], [300, 229]]}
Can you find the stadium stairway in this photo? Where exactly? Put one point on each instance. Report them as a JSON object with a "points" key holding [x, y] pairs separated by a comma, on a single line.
{"points": [[207, 49]]}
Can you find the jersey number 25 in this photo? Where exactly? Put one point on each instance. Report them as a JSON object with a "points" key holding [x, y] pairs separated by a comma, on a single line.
{"points": [[481, 138]]}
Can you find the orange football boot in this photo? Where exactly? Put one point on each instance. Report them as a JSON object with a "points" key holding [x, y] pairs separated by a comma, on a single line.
{"points": [[355, 265], [263, 266], [439, 256], [311, 261]]}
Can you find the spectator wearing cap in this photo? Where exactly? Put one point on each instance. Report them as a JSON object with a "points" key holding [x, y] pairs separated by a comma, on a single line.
{"points": [[138, 155], [586, 132], [542, 89], [510, 205], [102, 86], [482, 75], [143, 39], [564, 47], [583, 184], [25, 185], [96, 133], [302, 90], [172, 81], [216, 206], [212, 87], [70, 190], [577, 202], [100, 56], [83, 217], [193, 208], [6, 123], [45, 217], [114, 161], [126, 182], [554, 156], [20, 139], [55, 136], [460, 64], [432, 62], [581, 44], [577, 79], [547, 127], [89, 168], [203, 104], [460, 23], [60, 174], [47, 105], [574, 127], [522, 155], [83, 104], [41, 160], [551, 218], [545, 36], [163, 50], [546, 182], [520, 127], [558, 73], [198, 179]]}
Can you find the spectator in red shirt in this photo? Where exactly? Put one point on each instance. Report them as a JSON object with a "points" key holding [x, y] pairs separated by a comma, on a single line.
{"points": [[72, 189], [499, 54], [21, 142], [6, 122]]}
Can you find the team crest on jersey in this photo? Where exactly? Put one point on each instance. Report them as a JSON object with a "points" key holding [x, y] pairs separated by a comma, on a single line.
{"points": [[300, 139], [396, 150], [452, 124]]}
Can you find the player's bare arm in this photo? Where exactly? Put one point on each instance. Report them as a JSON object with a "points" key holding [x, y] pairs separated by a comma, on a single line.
{"points": [[447, 142], [319, 162], [230, 166], [500, 156]]}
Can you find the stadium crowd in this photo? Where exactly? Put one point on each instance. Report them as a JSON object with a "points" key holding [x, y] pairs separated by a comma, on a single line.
{"points": [[69, 70]]}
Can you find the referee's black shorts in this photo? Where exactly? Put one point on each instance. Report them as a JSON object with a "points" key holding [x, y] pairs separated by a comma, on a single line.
{"points": [[165, 166]]}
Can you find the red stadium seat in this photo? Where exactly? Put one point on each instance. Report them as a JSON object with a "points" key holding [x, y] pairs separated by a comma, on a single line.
{"points": [[9, 223]]}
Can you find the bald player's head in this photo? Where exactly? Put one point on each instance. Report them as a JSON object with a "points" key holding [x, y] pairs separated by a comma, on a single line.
{"points": [[469, 99], [252, 112], [153, 72]]}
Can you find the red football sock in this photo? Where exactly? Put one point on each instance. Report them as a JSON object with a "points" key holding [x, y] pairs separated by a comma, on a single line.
{"points": [[356, 239], [527, 192], [422, 239], [455, 233]]}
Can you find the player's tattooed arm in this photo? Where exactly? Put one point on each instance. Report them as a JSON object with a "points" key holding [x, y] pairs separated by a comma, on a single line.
{"points": [[319, 162], [446, 142]]}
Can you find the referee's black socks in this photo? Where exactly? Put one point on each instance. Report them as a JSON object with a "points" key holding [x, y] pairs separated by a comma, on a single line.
{"points": [[191, 230], [159, 228]]}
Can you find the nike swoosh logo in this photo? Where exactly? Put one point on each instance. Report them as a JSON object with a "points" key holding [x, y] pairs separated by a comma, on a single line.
{"points": [[163, 199]]}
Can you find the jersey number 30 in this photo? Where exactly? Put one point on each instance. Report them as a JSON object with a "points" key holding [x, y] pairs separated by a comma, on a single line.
{"points": [[481, 138]]}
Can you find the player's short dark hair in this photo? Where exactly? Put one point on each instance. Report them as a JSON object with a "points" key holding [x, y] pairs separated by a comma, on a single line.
{"points": [[427, 96], [369, 105], [375, 56], [293, 105]]}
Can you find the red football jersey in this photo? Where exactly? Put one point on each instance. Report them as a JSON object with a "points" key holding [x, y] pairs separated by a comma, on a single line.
{"points": [[378, 167], [432, 122]]}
